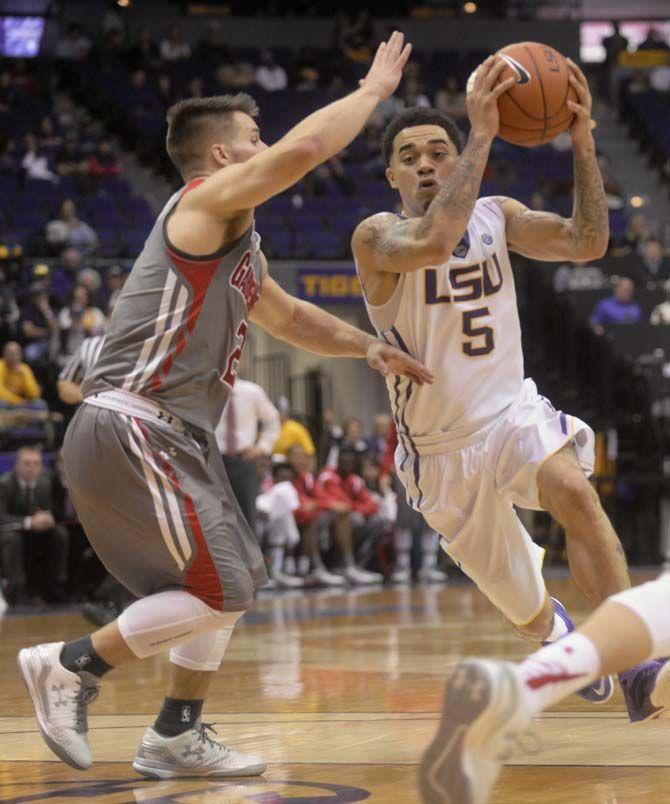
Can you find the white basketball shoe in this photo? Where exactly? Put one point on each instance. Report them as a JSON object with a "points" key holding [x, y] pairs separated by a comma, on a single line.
{"points": [[192, 753], [61, 701], [482, 715]]}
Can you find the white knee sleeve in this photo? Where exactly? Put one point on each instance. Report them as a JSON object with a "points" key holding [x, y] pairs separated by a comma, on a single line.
{"points": [[651, 603], [204, 652], [162, 621]]}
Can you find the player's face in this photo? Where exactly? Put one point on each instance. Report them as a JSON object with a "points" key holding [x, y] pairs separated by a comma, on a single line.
{"points": [[423, 157], [246, 141]]}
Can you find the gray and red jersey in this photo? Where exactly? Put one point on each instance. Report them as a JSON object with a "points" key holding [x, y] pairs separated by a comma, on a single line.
{"points": [[179, 327]]}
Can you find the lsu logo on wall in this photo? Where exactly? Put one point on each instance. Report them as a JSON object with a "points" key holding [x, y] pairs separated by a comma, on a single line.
{"points": [[329, 286]]}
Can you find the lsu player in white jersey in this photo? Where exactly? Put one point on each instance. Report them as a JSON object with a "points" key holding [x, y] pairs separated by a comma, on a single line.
{"points": [[438, 283]]}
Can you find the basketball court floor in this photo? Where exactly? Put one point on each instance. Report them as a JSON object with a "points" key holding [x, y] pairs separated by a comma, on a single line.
{"points": [[340, 693]]}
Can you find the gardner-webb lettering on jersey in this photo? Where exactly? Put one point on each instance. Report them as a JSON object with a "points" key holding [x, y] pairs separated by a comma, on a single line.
{"points": [[468, 283], [243, 279]]}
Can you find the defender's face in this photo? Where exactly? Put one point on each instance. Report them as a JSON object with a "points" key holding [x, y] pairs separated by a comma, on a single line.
{"points": [[245, 141], [423, 158]]}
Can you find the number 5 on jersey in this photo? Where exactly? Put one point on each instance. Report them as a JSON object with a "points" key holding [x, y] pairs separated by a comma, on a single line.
{"points": [[476, 347]]}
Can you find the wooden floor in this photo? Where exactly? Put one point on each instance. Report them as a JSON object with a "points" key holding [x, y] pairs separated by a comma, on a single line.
{"points": [[340, 694]]}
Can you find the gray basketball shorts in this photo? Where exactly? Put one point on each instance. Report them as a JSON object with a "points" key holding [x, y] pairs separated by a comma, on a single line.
{"points": [[158, 509]]}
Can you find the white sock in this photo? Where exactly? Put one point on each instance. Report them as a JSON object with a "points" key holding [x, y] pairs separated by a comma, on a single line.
{"points": [[559, 629], [558, 670], [429, 545], [277, 558], [403, 546]]}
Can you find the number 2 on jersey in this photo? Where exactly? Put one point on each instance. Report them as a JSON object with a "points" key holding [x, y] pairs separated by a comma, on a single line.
{"points": [[234, 357]]}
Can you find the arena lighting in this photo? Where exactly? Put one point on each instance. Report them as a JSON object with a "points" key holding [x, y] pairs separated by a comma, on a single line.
{"points": [[637, 201], [123, 3], [470, 8]]}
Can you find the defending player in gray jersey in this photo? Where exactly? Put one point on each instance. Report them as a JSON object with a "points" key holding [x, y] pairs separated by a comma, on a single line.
{"points": [[141, 460]]}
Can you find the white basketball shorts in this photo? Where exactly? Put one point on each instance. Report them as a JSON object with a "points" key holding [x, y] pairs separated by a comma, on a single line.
{"points": [[466, 492]]}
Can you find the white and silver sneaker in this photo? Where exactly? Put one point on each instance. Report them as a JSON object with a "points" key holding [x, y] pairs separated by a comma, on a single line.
{"points": [[61, 700], [322, 577], [482, 716], [401, 576], [432, 575], [285, 581], [355, 575], [192, 753]]}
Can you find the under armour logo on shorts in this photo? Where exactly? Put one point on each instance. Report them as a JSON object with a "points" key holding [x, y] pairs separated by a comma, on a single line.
{"points": [[186, 714], [82, 661]]}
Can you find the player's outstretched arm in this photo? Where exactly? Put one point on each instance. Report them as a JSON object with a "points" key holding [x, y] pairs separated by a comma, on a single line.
{"points": [[386, 243], [314, 140], [302, 324], [584, 236]]}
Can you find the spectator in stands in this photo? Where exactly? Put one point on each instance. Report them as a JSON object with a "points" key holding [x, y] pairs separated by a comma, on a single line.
{"points": [[316, 511], [38, 325], [71, 162], [64, 277], [35, 162], [8, 92], [49, 138], [344, 486], [34, 548], [67, 230], [142, 100], [104, 162], [236, 74], [292, 432], [653, 41], [165, 90], [277, 526], [9, 309], [356, 39], [115, 279], [196, 88], [212, 51], [174, 47], [78, 320], [307, 70], [249, 427], [450, 98], [379, 438], [654, 264], [637, 231], [144, 54], [18, 386], [614, 44], [660, 315], [91, 280], [270, 76], [74, 46], [350, 437], [620, 308]]}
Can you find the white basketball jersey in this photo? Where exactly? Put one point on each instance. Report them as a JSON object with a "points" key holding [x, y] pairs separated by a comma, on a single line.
{"points": [[460, 319]]}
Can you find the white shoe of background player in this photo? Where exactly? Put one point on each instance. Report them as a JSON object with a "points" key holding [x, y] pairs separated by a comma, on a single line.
{"points": [[355, 575], [61, 701], [192, 753]]}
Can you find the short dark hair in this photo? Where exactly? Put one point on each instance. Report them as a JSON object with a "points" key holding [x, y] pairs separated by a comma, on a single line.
{"points": [[419, 116], [189, 120]]}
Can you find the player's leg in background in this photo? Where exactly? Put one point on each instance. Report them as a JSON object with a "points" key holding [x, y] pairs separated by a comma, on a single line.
{"points": [[595, 555], [596, 558]]}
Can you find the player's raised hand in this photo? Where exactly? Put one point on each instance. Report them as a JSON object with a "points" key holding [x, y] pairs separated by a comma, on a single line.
{"points": [[387, 360], [580, 130], [482, 96], [386, 70]]}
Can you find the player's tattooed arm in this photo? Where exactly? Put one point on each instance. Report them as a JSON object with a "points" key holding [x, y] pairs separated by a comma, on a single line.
{"points": [[546, 236], [385, 242]]}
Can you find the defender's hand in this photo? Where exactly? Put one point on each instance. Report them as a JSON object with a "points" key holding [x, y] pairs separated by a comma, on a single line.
{"points": [[386, 71], [482, 97], [387, 360], [580, 130]]}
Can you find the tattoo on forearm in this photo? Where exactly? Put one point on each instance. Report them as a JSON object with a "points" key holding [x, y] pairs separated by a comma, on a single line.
{"points": [[395, 237], [590, 219], [458, 196]]}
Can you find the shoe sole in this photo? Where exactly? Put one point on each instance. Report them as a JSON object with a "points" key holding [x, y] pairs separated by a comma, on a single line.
{"points": [[24, 662], [152, 772], [445, 775]]}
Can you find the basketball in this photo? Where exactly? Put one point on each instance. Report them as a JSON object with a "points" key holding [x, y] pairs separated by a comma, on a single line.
{"points": [[535, 109]]}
